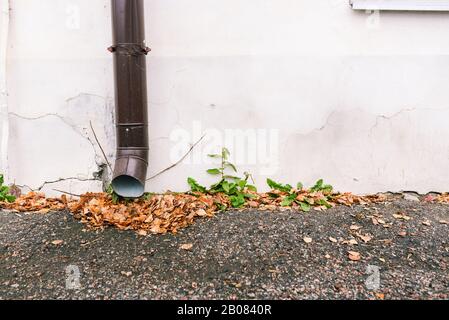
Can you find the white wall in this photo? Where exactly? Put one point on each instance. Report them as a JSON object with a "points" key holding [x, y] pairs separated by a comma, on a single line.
{"points": [[360, 100]]}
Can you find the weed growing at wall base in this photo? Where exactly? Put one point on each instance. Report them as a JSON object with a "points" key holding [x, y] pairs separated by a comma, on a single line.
{"points": [[319, 195], [236, 188], [4, 192], [239, 191]]}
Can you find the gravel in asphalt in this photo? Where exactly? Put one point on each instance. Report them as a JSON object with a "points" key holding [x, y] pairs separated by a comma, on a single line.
{"points": [[235, 255]]}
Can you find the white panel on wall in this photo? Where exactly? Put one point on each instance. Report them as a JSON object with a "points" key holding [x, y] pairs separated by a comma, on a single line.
{"points": [[406, 5]]}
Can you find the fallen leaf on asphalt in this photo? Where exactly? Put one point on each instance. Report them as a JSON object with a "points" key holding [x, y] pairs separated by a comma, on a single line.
{"points": [[380, 296], [403, 233], [308, 240], [127, 274], [327, 256], [444, 222], [274, 271], [382, 259], [201, 213], [365, 238], [354, 255], [426, 223], [333, 240], [401, 216], [355, 227], [187, 246], [142, 233], [375, 221], [57, 242], [253, 204], [443, 198]]}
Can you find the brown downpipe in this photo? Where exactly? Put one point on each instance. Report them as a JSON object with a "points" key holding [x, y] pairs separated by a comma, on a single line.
{"points": [[130, 52]]}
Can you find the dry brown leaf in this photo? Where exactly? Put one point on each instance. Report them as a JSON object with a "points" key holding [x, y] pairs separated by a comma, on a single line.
{"points": [[308, 240], [253, 204], [380, 296], [355, 227], [333, 240], [365, 238], [444, 222], [201, 213], [57, 242], [142, 233], [401, 216], [354, 256], [187, 246], [351, 242], [426, 223]]}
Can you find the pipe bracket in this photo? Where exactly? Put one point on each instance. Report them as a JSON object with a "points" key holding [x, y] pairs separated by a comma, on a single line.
{"points": [[129, 49]]}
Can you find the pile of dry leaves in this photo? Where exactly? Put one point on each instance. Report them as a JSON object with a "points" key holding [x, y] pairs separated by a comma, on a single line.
{"points": [[266, 201], [442, 198], [160, 214]]}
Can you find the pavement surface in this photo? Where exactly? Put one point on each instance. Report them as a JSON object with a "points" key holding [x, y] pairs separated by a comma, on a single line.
{"points": [[235, 255]]}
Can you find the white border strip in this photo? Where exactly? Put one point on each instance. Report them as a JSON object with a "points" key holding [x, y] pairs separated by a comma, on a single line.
{"points": [[4, 117], [401, 5]]}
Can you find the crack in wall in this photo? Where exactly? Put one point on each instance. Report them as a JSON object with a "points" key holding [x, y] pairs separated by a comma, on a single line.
{"points": [[398, 113], [384, 117], [72, 126], [43, 185], [46, 183], [99, 174]]}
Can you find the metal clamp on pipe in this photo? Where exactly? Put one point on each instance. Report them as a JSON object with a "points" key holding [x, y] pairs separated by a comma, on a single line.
{"points": [[130, 51]]}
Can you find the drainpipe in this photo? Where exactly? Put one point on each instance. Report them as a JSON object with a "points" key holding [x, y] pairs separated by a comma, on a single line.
{"points": [[130, 52]]}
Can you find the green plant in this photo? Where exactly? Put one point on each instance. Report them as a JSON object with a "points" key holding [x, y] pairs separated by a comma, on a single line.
{"points": [[116, 199], [195, 186], [4, 192], [114, 196], [319, 194], [321, 187], [236, 188]]}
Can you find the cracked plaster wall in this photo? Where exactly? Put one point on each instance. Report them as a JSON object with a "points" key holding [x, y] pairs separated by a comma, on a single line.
{"points": [[364, 106]]}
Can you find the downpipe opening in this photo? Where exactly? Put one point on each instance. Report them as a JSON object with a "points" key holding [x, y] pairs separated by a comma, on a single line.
{"points": [[128, 187]]}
